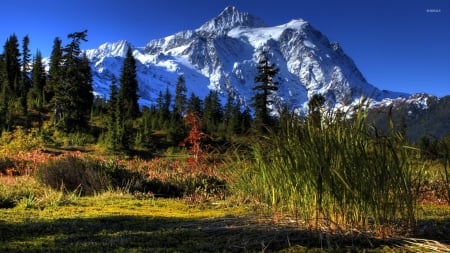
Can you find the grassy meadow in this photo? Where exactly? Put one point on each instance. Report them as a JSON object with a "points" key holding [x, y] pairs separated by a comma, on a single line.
{"points": [[327, 184]]}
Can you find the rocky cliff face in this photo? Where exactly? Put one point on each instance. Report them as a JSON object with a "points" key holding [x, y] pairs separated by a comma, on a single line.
{"points": [[223, 55]]}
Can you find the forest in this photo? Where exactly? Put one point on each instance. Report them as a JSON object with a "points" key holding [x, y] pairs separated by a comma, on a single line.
{"points": [[330, 180]]}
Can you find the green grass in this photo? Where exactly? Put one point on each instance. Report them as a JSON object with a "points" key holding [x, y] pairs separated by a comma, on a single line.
{"points": [[117, 222], [337, 173]]}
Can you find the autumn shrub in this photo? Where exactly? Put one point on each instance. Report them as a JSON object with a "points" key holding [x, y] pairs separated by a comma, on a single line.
{"points": [[20, 141], [73, 173]]}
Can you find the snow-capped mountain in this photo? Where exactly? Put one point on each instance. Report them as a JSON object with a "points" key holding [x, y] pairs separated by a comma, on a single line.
{"points": [[223, 55]]}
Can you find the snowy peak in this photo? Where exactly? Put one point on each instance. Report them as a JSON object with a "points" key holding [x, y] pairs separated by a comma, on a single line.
{"points": [[230, 18], [109, 49], [223, 54]]}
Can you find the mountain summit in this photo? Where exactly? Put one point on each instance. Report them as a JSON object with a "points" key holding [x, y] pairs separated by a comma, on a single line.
{"points": [[231, 18], [223, 55]]}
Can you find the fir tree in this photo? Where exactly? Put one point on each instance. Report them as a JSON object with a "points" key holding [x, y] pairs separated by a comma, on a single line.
{"points": [[266, 85], [180, 96], [114, 118], [25, 81], [55, 71], [12, 66], [194, 105], [129, 87], [213, 112], [38, 81], [73, 94], [162, 110], [232, 118]]}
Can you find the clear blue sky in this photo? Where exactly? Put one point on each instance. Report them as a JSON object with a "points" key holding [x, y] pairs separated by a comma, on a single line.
{"points": [[401, 45]]}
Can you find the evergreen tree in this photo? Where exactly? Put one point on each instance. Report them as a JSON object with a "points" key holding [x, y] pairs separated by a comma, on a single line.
{"points": [[194, 105], [38, 81], [55, 71], [85, 89], [245, 120], [159, 121], [129, 87], [164, 114], [180, 96], [114, 124], [12, 66], [265, 86], [73, 95], [25, 81], [213, 112]]}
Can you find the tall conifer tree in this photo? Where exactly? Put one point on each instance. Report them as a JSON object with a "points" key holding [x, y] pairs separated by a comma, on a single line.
{"points": [[25, 81], [55, 71], [128, 95], [12, 66], [38, 81], [73, 94], [180, 96], [265, 86]]}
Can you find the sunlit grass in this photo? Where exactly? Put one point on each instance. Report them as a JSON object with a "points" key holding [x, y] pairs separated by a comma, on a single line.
{"points": [[340, 174]]}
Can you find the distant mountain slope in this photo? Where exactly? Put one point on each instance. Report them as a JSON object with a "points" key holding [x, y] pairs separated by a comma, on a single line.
{"points": [[427, 116], [223, 54]]}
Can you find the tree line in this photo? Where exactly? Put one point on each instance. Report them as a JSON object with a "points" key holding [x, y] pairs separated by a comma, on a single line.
{"points": [[62, 99]]}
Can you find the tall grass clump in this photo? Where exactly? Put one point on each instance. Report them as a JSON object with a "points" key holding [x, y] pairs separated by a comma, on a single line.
{"points": [[332, 170]]}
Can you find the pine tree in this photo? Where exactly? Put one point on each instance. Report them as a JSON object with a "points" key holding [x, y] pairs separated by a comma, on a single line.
{"points": [[163, 110], [114, 123], [38, 81], [73, 94], [12, 66], [266, 85], [25, 81], [180, 96], [213, 112], [129, 87], [159, 121], [234, 118], [194, 105], [55, 71]]}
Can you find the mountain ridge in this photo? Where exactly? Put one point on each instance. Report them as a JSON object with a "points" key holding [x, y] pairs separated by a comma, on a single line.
{"points": [[223, 53]]}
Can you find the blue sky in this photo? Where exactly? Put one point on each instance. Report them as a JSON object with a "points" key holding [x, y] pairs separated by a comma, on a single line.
{"points": [[400, 45]]}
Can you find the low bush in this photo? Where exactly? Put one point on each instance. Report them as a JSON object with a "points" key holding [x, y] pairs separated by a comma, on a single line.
{"points": [[72, 174]]}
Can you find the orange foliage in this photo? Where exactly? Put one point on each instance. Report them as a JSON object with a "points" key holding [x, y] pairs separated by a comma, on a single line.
{"points": [[194, 141]]}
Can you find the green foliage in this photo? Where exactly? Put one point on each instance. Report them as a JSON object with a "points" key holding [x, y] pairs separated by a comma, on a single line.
{"points": [[266, 85], [20, 141], [179, 106], [128, 98], [37, 95], [73, 91], [213, 112], [339, 173], [55, 72]]}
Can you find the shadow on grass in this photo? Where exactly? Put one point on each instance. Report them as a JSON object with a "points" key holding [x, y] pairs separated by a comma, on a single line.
{"points": [[434, 229], [156, 234]]}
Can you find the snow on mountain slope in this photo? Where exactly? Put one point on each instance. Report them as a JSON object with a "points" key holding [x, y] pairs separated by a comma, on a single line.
{"points": [[223, 55]]}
